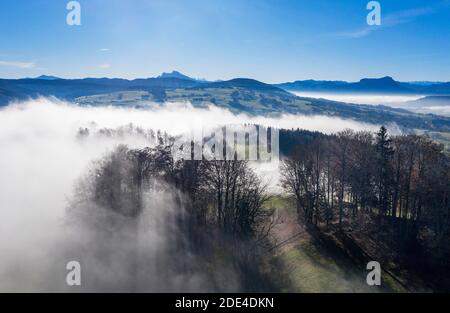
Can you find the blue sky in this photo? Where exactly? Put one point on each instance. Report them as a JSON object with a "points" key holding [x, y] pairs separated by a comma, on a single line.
{"points": [[270, 40]]}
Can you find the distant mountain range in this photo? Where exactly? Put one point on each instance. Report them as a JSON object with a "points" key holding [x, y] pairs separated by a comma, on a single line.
{"points": [[175, 74], [47, 77], [238, 95], [384, 85]]}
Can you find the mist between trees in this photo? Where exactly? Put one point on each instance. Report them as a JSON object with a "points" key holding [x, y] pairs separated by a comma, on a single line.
{"points": [[204, 225], [170, 225], [139, 219]]}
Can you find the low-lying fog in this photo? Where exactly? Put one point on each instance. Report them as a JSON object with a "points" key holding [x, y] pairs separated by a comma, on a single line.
{"points": [[41, 159], [407, 102], [375, 99], [435, 109]]}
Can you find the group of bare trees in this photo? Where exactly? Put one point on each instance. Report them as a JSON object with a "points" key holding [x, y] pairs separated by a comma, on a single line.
{"points": [[226, 194], [347, 180], [217, 206], [353, 176]]}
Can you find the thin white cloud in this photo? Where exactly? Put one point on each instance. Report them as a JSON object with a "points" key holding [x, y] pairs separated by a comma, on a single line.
{"points": [[104, 50], [389, 20], [16, 64], [104, 66]]}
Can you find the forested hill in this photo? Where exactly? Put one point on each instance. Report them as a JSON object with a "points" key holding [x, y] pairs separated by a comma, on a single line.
{"points": [[391, 193], [347, 199], [239, 95]]}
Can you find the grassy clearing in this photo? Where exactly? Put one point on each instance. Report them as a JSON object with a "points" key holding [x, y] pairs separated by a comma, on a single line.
{"points": [[304, 267], [326, 262], [311, 271]]}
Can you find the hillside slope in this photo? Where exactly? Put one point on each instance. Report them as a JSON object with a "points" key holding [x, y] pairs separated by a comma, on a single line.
{"points": [[239, 95]]}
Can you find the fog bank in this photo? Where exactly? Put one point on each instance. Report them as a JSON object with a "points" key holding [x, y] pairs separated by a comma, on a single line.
{"points": [[42, 158], [375, 99]]}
